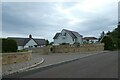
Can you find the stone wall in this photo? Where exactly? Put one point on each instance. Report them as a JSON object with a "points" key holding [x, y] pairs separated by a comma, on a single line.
{"points": [[10, 58], [41, 50], [69, 48], [81, 48]]}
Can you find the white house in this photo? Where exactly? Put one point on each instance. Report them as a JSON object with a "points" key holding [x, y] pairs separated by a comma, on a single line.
{"points": [[30, 42], [67, 36], [90, 40]]}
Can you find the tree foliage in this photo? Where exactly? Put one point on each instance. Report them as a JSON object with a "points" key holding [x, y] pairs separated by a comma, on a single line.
{"points": [[108, 43], [47, 42], [51, 43], [9, 45], [112, 39]]}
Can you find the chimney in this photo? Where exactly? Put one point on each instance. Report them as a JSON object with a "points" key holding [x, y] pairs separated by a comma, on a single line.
{"points": [[30, 36]]}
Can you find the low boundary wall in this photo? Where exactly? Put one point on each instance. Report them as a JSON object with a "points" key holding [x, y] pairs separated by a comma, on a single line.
{"points": [[10, 58], [69, 48], [41, 50], [75, 48]]}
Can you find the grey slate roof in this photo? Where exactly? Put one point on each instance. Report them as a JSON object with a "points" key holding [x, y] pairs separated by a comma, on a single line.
{"points": [[24, 41], [73, 34], [40, 41], [56, 35]]}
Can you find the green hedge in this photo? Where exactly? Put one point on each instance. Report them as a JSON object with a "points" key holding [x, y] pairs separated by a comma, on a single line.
{"points": [[9, 45]]}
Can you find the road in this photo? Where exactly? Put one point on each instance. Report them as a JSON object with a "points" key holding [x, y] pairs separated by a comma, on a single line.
{"points": [[104, 65]]}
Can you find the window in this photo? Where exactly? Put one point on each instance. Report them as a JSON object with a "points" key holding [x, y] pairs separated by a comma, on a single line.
{"points": [[30, 46], [35, 45], [64, 34]]}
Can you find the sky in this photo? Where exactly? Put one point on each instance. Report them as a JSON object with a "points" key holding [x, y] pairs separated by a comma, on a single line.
{"points": [[45, 19]]}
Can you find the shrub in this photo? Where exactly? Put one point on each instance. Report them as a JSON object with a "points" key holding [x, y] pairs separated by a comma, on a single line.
{"points": [[108, 43], [9, 45]]}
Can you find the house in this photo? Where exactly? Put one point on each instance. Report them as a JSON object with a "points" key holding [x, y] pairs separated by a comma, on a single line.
{"points": [[90, 40], [67, 36], [30, 42]]}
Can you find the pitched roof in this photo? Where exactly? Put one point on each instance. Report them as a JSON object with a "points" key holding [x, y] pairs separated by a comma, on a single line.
{"points": [[40, 41], [73, 34], [90, 38], [23, 41], [56, 35]]}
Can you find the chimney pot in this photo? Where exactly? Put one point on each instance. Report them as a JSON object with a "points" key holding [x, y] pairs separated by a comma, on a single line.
{"points": [[30, 36]]}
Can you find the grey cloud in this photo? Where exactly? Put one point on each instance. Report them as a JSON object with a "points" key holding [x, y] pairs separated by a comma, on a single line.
{"points": [[16, 19], [41, 19]]}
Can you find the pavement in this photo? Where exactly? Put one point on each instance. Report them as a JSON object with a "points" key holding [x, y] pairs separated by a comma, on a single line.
{"points": [[40, 61]]}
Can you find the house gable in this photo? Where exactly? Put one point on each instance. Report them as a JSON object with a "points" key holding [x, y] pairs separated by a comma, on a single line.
{"points": [[30, 43], [90, 39], [63, 39], [67, 36], [56, 35], [27, 42]]}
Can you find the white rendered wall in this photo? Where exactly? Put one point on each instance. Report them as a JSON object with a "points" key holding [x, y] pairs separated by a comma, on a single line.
{"points": [[30, 43], [20, 47], [59, 40]]}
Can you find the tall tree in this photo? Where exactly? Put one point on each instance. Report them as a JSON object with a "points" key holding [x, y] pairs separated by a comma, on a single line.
{"points": [[101, 36]]}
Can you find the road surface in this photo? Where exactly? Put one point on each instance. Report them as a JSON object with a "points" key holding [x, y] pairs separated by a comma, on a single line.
{"points": [[104, 65]]}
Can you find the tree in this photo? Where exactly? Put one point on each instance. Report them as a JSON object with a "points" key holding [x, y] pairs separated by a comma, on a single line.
{"points": [[51, 43], [9, 45], [108, 43], [0, 45], [101, 36], [108, 33], [115, 37], [47, 42]]}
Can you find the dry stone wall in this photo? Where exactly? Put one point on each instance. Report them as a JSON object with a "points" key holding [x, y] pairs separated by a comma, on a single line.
{"points": [[69, 48], [41, 50], [10, 58], [81, 48]]}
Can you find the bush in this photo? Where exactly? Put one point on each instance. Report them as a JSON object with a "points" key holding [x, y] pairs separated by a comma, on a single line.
{"points": [[9, 45], [108, 43]]}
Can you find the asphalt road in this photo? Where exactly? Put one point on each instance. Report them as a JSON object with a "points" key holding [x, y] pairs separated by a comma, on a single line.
{"points": [[104, 65]]}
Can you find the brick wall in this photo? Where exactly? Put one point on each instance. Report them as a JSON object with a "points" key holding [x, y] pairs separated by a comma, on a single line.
{"points": [[9, 58]]}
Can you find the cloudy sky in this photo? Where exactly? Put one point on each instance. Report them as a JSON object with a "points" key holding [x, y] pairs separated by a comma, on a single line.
{"points": [[44, 19]]}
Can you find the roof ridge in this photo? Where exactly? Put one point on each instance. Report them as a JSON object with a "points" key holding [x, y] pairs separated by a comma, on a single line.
{"points": [[69, 30]]}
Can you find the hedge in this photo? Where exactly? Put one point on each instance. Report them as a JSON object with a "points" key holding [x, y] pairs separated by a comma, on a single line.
{"points": [[9, 45]]}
